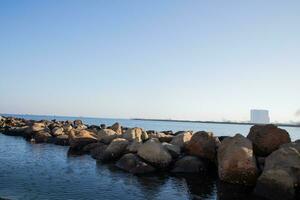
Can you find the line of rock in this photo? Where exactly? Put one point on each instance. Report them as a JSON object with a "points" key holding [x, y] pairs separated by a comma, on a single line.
{"points": [[266, 159]]}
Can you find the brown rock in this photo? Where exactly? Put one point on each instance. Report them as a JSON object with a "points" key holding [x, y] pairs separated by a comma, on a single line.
{"points": [[190, 164], [107, 135], [267, 138], [204, 145], [133, 164], [236, 161], [115, 149], [117, 128], [78, 139]]}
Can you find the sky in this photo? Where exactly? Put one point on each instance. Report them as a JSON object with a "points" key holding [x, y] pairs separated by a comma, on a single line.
{"points": [[197, 60]]}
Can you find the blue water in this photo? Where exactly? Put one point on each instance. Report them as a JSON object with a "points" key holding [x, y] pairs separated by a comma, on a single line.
{"points": [[45, 171]]}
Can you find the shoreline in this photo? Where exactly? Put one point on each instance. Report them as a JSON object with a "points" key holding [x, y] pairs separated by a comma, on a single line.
{"points": [[265, 155], [215, 122]]}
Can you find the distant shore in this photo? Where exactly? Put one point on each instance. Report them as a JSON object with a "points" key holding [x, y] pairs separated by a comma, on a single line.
{"points": [[215, 122]]}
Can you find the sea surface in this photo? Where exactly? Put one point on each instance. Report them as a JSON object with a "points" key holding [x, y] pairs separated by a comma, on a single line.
{"points": [[46, 171]]}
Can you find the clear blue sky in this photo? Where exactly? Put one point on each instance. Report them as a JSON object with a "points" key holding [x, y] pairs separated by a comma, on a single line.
{"points": [[205, 60]]}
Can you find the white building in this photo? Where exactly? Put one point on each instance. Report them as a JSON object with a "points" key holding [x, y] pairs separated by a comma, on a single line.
{"points": [[260, 116]]}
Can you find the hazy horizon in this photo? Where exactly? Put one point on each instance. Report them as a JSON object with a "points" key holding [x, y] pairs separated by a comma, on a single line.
{"points": [[194, 60]]}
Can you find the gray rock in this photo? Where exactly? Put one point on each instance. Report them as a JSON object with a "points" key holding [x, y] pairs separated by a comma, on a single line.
{"points": [[133, 164]]}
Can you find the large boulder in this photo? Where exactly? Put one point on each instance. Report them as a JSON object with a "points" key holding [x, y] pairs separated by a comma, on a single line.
{"points": [[136, 134], [172, 149], [117, 128], [133, 164], [181, 139], [133, 147], [107, 135], [236, 161], [38, 126], [16, 131], [267, 138], [78, 139], [97, 151], [115, 149], [281, 173], [204, 145], [190, 164], [62, 140], [42, 136], [57, 131], [155, 153]]}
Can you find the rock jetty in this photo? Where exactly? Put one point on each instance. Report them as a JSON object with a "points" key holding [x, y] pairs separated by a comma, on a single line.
{"points": [[266, 159]]}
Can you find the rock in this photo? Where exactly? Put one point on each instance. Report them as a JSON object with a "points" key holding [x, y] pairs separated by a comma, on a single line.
{"points": [[182, 139], [134, 134], [172, 149], [281, 174], [42, 136], [88, 148], [236, 161], [77, 122], [190, 164], [78, 139], [117, 128], [221, 138], [97, 152], [164, 138], [36, 127], [57, 131], [102, 126], [115, 149], [16, 131], [267, 138], [67, 128], [144, 136], [106, 135], [204, 145], [81, 127], [168, 132], [154, 152], [133, 147], [62, 140], [133, 164]]}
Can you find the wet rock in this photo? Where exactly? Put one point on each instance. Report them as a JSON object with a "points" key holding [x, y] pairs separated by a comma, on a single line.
{"points": [[62, 140], [89, 147], [78, 139], [204, 145], [107, 135], [98, 150], [172, 149], [190, 164], [133, 164], [154, 152], [281, 173], [16, 131], [236, 161], [182, 139], [267, 138], [42, 136], [115, 149]]}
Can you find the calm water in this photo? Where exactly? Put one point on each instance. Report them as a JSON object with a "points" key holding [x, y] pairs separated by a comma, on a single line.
{"points": [[45, 171]]}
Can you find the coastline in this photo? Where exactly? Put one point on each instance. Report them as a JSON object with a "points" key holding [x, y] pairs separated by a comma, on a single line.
{"points": [[214, 122]]}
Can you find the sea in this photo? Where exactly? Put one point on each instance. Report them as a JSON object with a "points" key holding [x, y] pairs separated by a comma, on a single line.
{"points": [[47, 171]]}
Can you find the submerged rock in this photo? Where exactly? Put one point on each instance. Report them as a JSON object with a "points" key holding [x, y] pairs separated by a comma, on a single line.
{"points": [[190, 164], [204, 145], [281, 173], [133, 164], [236, 161], [267, 138], [154, 152]]}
